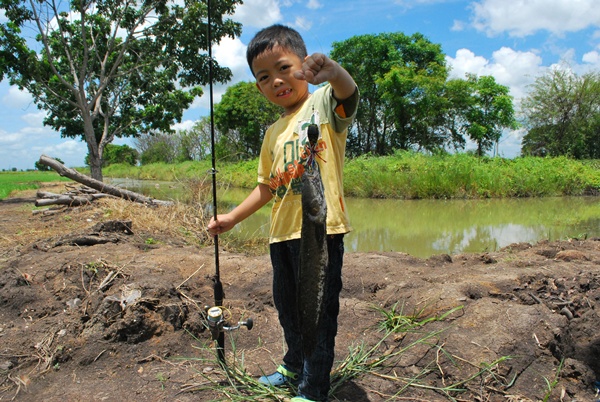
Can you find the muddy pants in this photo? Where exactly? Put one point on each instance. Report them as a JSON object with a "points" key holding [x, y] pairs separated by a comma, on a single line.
{"points": [[285, 257]]}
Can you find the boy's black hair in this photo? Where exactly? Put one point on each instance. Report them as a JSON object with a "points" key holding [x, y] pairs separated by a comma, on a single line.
{"points": [[275, 35]]}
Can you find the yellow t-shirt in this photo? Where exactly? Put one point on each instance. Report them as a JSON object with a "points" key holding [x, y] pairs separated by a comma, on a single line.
{"points": [[282, 161]]}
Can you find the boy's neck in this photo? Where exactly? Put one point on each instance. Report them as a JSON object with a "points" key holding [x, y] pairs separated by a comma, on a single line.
{"points": [[297, 108]]}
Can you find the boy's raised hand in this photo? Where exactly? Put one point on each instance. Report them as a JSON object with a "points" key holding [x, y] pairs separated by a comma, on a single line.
{"points": [[317, 69]]}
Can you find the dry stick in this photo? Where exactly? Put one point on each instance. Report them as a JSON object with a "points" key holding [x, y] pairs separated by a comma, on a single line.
{"points": [[466, 361], [537, 341], [194, 302], [12, 355], [18, 381], [193, 387], [111, 276], [190, 277], [399, 398], [82, 282], [186, 296], [107, 279], [44, 352], [489, 387], [437, 362]]}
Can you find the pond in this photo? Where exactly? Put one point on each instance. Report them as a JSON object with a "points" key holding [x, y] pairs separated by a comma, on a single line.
{"points": [[427, 227]]}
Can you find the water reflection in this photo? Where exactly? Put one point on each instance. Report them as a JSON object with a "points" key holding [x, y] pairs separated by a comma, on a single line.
{"points": [[426, 227]]}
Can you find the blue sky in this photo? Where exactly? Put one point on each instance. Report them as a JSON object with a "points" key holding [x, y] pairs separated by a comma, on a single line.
{"points": [[514, 41]]}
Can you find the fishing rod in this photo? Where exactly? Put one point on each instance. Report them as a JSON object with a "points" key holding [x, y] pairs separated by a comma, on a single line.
{"points": [[216, 320]]}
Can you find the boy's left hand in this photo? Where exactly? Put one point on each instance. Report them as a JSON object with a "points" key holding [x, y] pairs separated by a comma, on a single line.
{"points": [[317, 68]]}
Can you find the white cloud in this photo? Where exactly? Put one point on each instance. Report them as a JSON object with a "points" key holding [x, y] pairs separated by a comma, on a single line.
{"points": [[231, 53], [185, 125], [592, 57], [458, 26], [466, 62], [35, 119], [314, 4], [258, 13], [9, 139], [70, 151], [302, 23], [523, 18], [509, 145], [23, 147], [512, 68], [15, 98]]}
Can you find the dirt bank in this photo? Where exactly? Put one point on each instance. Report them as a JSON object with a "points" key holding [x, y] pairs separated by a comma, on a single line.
{"points": [[121, 321]]}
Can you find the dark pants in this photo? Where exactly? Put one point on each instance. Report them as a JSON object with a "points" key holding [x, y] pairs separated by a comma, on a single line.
{"points": [[316, 368]]}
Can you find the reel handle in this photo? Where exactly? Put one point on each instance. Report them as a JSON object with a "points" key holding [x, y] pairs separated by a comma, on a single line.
{"points": [[217, 323]]}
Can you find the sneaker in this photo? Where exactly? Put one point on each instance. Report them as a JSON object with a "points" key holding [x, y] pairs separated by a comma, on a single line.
{"points": [[301, 399], [281, 377]]}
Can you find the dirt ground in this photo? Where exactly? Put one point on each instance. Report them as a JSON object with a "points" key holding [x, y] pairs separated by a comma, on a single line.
{"points": [[123, 320]]}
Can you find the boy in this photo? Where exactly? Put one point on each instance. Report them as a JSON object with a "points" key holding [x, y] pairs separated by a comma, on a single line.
{"points": [[278, 59]]}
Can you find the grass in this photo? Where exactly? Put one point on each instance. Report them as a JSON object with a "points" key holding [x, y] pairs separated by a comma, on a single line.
{"points": [[400, 335], [550, 385], [416, 176], [411, 175], [11, 182]]}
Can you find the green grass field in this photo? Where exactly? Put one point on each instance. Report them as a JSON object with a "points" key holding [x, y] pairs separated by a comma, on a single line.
{"points": [[15, 181]]}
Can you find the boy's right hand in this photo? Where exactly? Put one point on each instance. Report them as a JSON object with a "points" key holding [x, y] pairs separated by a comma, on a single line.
{"points": [[318, 68], [222, 224]]}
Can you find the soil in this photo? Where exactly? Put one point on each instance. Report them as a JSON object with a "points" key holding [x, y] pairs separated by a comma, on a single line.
{"points": [[121, 318]]}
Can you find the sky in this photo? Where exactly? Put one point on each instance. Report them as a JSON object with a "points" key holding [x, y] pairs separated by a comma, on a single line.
{"points": [[513, 41]]}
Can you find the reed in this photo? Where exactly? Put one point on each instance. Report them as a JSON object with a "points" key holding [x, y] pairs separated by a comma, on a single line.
{"points": [[412, 175]]}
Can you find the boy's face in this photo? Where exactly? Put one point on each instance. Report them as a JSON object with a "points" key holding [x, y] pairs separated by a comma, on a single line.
{"points": [[274, 72]]}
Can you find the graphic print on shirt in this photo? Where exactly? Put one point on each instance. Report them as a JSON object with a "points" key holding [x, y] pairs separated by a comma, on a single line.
{"points": [[295, 156]]}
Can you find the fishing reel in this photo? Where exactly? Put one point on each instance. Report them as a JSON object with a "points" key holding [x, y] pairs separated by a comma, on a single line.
{"points": [[217, 323]]}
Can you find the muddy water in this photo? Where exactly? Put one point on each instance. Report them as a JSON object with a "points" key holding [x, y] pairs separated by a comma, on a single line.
{"points": [[426, 227]]}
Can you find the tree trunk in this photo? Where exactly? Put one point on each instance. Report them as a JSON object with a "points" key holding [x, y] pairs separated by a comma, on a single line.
{"points": [[95, 168], [98, 185]]}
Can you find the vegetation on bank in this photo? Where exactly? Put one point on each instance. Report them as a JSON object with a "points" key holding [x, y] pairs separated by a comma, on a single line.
{"points": [[409, 175], [16, 181]]}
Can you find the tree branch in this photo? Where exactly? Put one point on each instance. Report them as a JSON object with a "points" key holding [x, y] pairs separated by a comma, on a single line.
{"points": [[98, 185]]}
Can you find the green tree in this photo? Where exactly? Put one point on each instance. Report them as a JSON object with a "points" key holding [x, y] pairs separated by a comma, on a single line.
{"points": [[562, 115], [415, 107], [117, 154], [243, 116], [489, 111], [184, 145], [392, 70], [194, 144], [456, 102], [110, 69], [157, 147]]}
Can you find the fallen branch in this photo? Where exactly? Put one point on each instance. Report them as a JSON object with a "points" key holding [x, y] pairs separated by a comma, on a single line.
{"points": [[69, 200], [98, 185], [48, 211]]}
